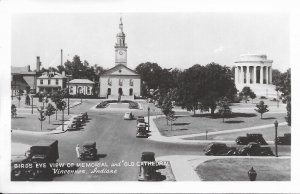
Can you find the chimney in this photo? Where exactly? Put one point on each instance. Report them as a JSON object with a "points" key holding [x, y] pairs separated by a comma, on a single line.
{"points": [[38, 64], [28, 68], [61, 57]]}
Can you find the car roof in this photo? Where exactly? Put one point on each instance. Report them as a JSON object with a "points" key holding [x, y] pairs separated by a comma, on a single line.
{"points": [[89, 143]]}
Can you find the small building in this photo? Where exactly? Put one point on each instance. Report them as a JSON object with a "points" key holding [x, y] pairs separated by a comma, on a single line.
{"points": [[50, 82], [22, 78], [81, 86]]}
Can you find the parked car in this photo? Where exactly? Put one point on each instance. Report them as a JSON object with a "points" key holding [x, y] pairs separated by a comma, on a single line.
{"points": [[89, 151], [44, 152], [74, 126], [219, 149], [128, 116], [141, 130], [148, 167], [251, 137], [140, 119], [284, 140], [84, 115], [254, 149]]}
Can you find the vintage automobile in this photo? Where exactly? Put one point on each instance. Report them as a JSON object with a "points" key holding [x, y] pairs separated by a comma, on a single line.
{"points": [[37, 161], [251, 137], [128, 116], [141, 130], [84, 115], [284, 140], [140, 119], [219, 149], [148, 167], [74, 126], [89, 151], [254, 149]]}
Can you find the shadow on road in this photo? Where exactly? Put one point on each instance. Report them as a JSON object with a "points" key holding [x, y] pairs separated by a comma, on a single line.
{"points": [[268, 118], [232, 122]]}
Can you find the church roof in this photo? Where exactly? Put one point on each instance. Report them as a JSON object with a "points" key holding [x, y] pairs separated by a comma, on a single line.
{"points": [[119, 67]]}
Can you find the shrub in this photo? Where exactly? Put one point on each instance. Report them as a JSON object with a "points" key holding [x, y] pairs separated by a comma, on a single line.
{"points": [[102, 104], [133, 105], [263, 97]]}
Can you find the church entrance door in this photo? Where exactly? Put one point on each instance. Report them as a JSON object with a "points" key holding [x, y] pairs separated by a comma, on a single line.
{"points": [[120, 91]]}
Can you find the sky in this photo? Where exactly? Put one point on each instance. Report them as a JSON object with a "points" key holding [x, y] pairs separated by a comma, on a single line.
{"points": [[169, 39]]}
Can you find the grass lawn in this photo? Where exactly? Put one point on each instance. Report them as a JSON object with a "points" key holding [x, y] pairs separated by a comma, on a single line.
{"points": [[204, 122], [234, 169], [30, 122], [268, 134]]}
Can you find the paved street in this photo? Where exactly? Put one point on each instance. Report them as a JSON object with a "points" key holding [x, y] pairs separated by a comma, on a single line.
{"points": [[115, 139]]}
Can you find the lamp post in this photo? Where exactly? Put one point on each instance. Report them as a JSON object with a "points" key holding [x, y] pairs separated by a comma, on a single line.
{"points": [[68, 94], [31, 104], [276, 149], [148, 118], [63, 119]]}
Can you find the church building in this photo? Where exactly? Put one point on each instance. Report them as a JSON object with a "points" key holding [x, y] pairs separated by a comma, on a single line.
{"points": [[120, 81]]}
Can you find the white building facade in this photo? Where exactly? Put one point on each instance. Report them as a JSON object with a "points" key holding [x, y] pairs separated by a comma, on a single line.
{"points": [[50, 82], [255, 71], [120, 81], [81, 86]]}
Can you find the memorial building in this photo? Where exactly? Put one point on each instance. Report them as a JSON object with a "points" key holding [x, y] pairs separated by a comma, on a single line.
{"points": [[255, 71]]}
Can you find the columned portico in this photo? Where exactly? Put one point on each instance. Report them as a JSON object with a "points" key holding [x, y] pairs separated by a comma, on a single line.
{"points": [[254, 71]]}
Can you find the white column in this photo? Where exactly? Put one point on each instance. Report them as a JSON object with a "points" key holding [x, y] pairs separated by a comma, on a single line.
{"points": [[239, 74], [248, 75], [270, 74], [261, 74], [254, 74], [236, 79], [243, 75], [267, 75]]}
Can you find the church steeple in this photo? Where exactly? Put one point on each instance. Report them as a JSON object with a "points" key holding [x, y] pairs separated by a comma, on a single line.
{"points": [[121, 46]]}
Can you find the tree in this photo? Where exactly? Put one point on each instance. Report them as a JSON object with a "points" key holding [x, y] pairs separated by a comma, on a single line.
{"points": [[246, 92], [57, 97], [27, 100], [283, 84], [219, 84], [223, 108], [13, 111], [42, 116], [167, 105], [150, 75], [61, 105], [252, 96], [50, 110], [261, 108], [171, 117], [289, 110]]}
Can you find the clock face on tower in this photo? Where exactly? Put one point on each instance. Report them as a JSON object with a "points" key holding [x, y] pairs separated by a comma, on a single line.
{"points": [[121, 52]]}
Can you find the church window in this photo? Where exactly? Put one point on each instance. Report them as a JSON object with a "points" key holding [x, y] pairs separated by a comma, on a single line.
{"points": [[131, 82], [49, 81], [71, 89], [109, 82], [120, 82], [41, 81], [120, 71], [56, 81], [88, 90]]}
